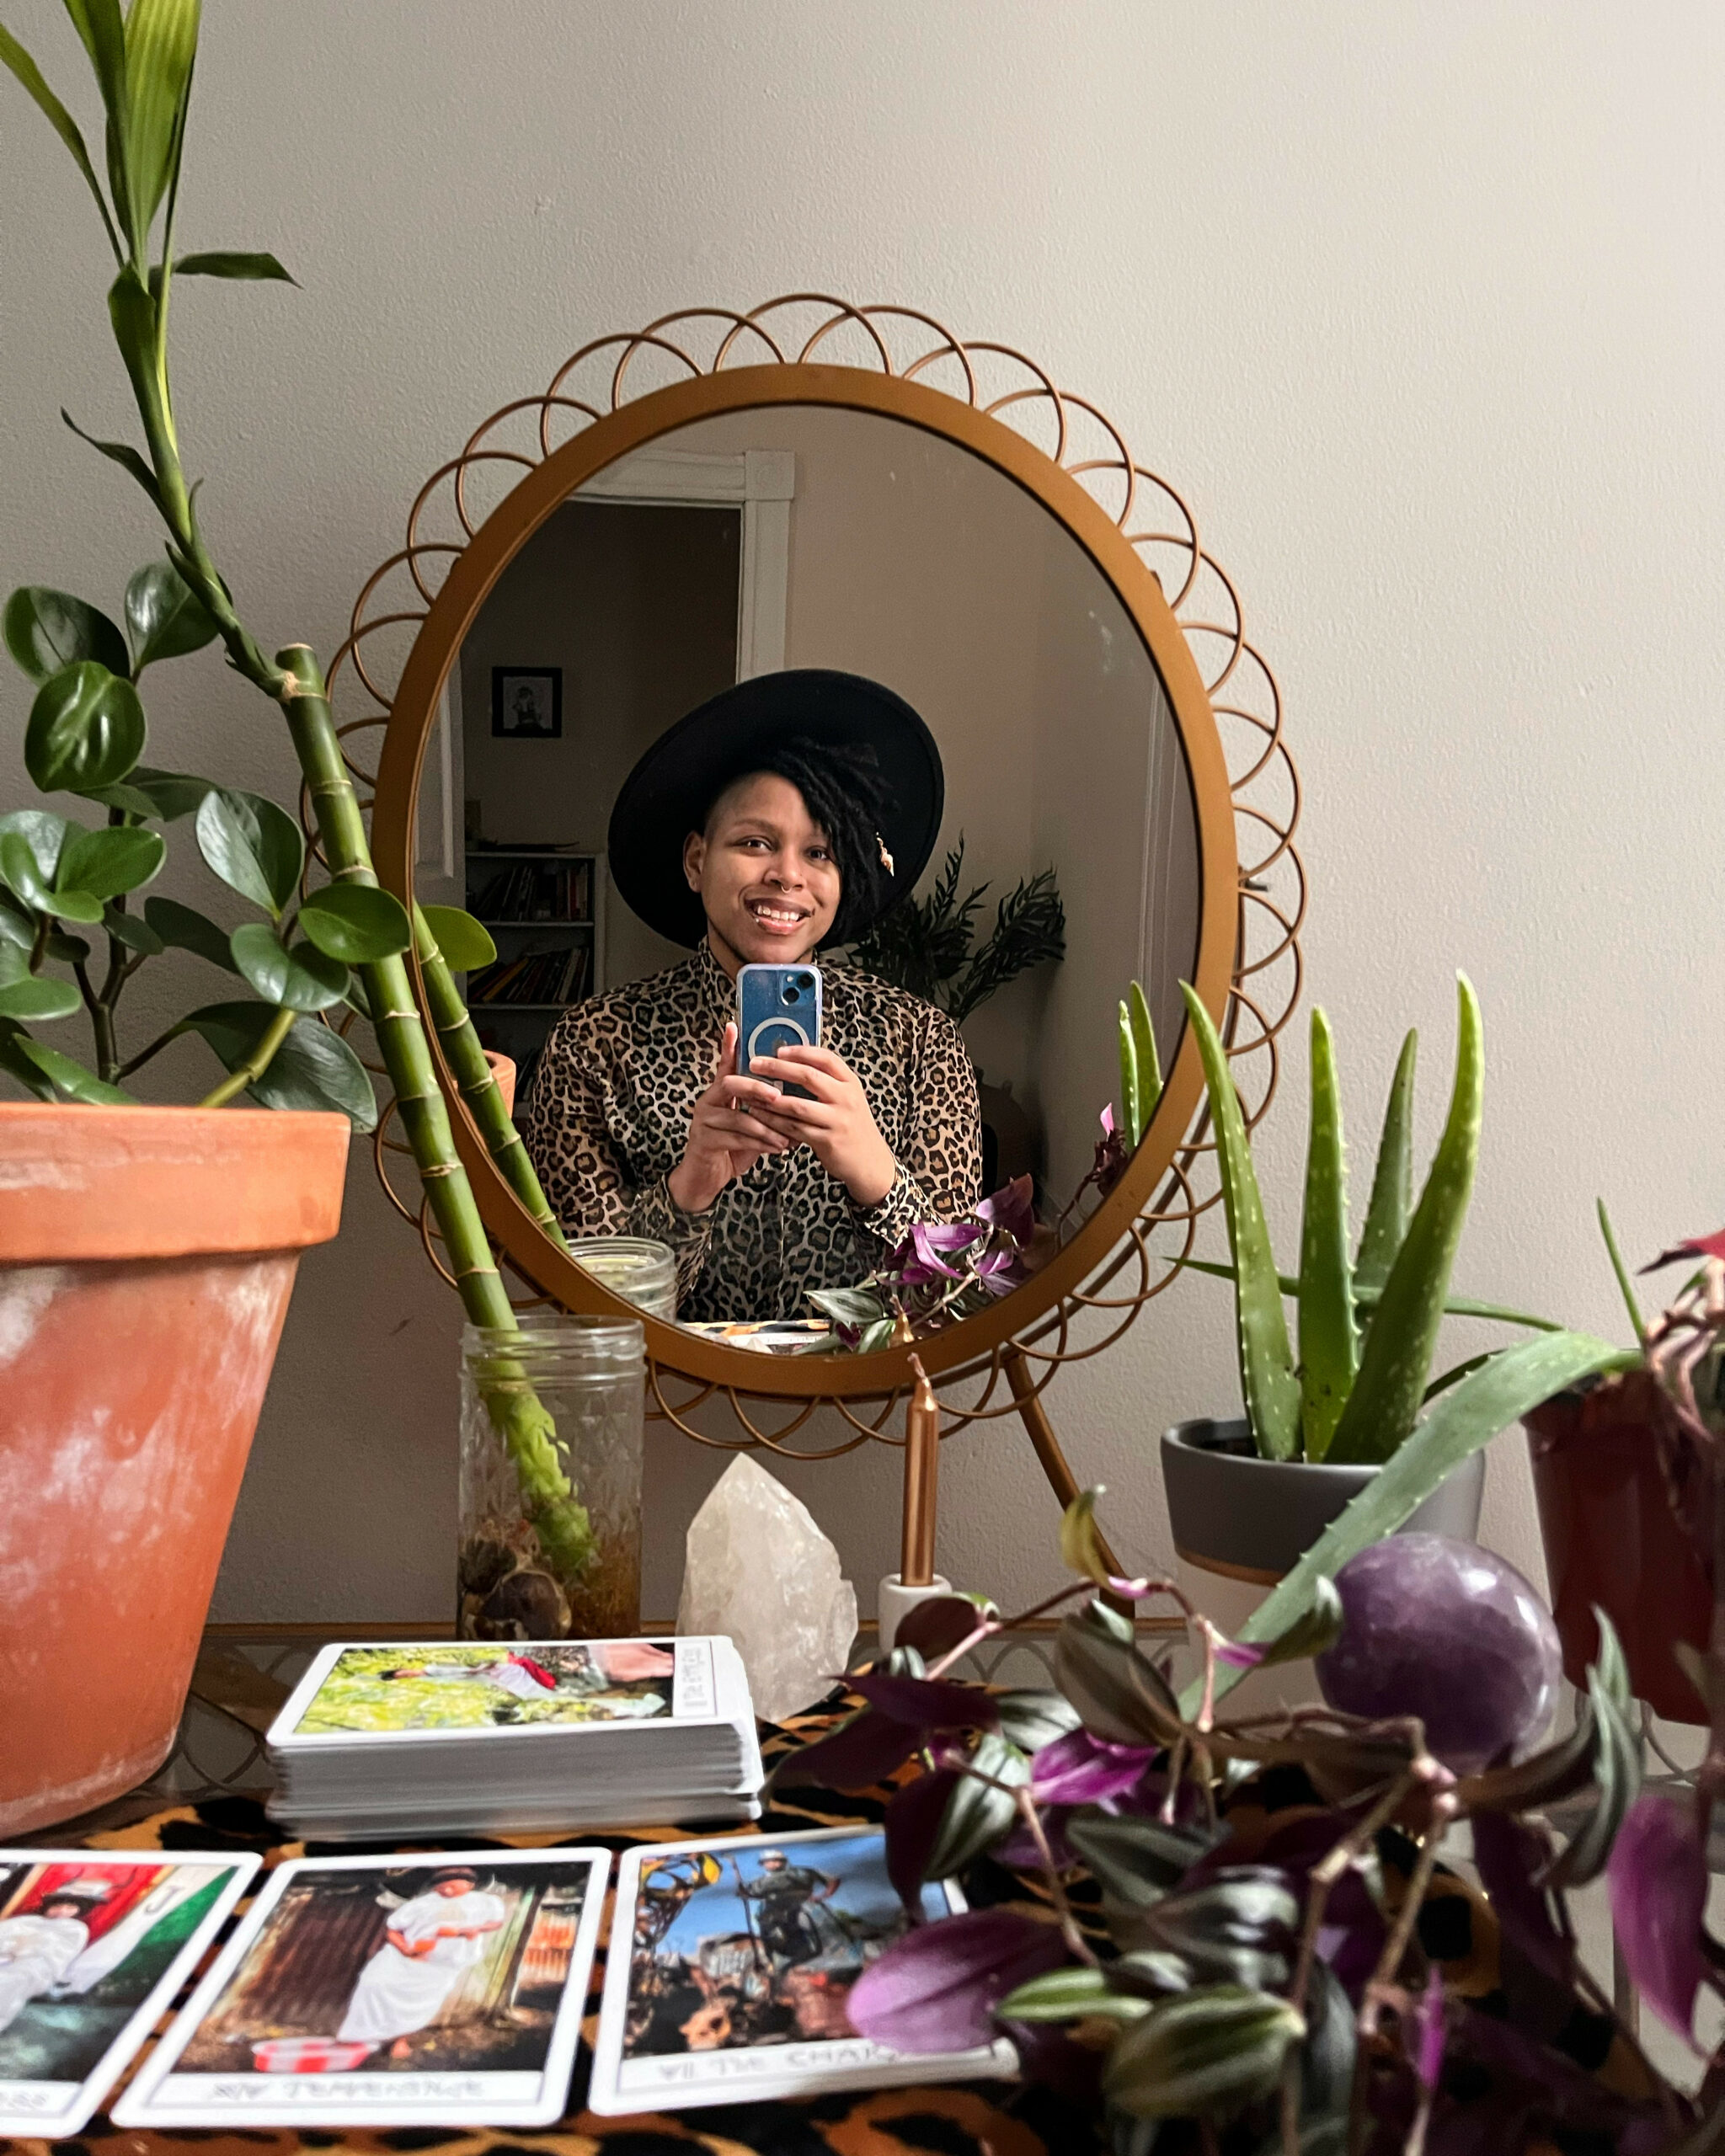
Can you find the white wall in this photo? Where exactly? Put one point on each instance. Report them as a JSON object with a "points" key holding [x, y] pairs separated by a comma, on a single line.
{"points": [[1418, 305]]}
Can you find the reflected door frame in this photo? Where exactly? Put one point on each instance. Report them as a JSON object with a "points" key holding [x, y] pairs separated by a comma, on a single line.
{"points": [[763, 484]]}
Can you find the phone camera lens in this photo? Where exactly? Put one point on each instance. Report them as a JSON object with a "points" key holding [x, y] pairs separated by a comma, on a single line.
{"points": [[792, 994], [805, 980]]}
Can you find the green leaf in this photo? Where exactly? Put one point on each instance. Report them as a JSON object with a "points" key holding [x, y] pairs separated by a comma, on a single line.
{"points": [[465, 943], [301, 978], [1267, 1382], [46, 631], [1329, 1339], [107, 863], [1367, 1298], [254, 846], [1317, 1626], [1392, 1181], [122, 454], [51, 1075], [130, 800], [18, 928], [45, 834], [40, 996], [1626, 1286], [1236, 1927], [1512, 1384], [184, 928], [977, 1816], [1032, 1719], [161, 43], [1131, 1115], [1397, 1360], [59, 119], [166, 618], [1135, 1860], [222, 263], [1073, 1995], [1617, 1763], [17, 867], [314, 1068], [1202, 2053], [1121, 1696], [85, 729], [99, 25], [849, 1305], [135, 934], [1149, 1063], [1080, 1542], [357, 923], [174, 794]]}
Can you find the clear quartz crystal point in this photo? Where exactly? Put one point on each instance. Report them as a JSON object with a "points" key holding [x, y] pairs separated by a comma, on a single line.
{"points": [[758, 1569]]}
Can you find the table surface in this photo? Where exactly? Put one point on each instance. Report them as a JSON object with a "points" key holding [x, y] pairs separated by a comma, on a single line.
{"points": [[991, 2118]]}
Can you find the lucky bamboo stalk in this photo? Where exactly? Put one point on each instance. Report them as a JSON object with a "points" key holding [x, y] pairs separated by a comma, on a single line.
{"points": [[143, 64]]}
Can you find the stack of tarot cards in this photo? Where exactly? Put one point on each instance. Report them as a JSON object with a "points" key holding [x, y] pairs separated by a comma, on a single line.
{"points": [[381, 1740]]}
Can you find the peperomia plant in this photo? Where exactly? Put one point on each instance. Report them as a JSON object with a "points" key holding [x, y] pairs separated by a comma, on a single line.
{"points": [[87, 727], [67, 887]]}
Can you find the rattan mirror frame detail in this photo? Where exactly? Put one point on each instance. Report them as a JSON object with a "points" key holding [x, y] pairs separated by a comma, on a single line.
{"points": [[610, 398]]}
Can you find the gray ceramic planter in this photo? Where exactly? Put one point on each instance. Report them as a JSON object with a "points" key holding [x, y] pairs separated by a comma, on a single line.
{"points": [[1251, 1520]]}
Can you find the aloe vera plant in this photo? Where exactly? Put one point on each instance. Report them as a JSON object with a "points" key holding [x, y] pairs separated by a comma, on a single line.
{"points": [[1369, 1322]]}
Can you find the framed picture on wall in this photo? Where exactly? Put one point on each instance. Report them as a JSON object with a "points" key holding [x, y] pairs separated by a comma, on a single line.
{"points": [[526, 703]]}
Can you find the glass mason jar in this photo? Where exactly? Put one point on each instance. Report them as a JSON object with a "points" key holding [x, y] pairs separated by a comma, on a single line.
{"points": [[640, 1271], [588, 1373]]}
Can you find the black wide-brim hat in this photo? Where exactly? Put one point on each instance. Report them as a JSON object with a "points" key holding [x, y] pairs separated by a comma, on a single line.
{"points": [[669, 792]]}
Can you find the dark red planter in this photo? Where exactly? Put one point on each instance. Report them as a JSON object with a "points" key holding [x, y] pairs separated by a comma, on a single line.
{"points": [[1611, 1537]]}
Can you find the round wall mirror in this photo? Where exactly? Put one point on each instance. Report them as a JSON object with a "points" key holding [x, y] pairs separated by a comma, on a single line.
{"points": [[806, 520]]}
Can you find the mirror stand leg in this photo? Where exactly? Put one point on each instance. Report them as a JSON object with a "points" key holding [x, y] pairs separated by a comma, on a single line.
{"points": [[1046, 1445]]}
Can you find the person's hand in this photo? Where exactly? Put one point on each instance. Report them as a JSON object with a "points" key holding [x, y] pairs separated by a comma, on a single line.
{"points": [[725, 1140], [837, 1124]]}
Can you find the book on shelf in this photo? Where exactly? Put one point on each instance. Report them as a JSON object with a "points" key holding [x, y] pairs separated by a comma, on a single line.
{"points": [[535, 891], [535, 976]]}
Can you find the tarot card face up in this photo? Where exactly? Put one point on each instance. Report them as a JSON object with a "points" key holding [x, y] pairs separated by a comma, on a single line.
{"points": [[408, 1692], [730, 1964], [438, 1990], [92, 1948]]}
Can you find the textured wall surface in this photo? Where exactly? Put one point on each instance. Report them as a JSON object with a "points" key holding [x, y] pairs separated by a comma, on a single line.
{"points": [[1418, 306]]}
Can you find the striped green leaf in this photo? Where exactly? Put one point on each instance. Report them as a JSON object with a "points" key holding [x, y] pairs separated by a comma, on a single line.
{"points": [[1329, 1337]]}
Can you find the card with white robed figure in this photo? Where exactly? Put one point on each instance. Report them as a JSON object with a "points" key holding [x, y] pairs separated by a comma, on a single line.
{"points": [[94, 1946], [442, 1989], [730, 1964]]}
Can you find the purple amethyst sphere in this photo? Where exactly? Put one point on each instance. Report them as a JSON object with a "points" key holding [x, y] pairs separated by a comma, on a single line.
{"points": [[1451, 1633]]}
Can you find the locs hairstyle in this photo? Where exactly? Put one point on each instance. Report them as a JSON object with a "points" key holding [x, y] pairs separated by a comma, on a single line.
{"points": [[842, 788]]}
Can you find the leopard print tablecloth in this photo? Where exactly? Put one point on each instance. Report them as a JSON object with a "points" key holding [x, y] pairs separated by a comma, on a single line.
{"points": [[964, 2119]]}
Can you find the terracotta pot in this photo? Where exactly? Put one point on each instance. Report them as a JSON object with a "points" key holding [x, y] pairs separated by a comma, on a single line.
{"points": [[146, 1256], [1612, 1537], [1240, 1523], [503, 1071]]}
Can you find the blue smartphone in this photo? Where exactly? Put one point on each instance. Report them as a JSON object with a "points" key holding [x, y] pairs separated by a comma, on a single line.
{"points": [[778, 1006]]}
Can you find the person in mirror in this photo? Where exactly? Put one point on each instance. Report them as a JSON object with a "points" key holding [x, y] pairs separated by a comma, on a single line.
{"points": [[784, 816]]}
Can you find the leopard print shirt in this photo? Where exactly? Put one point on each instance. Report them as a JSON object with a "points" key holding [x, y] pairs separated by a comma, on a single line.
{"points": [[607, 1118]]}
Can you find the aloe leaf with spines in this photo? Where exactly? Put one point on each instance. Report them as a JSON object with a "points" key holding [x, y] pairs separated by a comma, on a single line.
{"points": [[1268, 1380], [1512, 1384], [1329, 1335], [1392, 1201], [145, 94], [1396, 1362]]}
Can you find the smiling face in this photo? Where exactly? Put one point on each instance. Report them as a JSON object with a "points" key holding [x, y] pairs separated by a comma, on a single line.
{"points": [[768, 883]]}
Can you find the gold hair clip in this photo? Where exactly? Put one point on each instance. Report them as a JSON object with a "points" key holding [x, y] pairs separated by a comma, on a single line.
{"points": [[886, 859]]}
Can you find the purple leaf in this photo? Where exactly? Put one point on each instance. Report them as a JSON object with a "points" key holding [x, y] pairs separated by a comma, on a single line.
{"points": [[919, 1705], [1011, 1208], [1657, 1874], [1107, 1120], [936, 1627], [1080, 1768], [913, 1821], [1702, 1246], [936, 1989], [1238, 1655], [858, 1754], [1427, 2030], [1049, 2057]]}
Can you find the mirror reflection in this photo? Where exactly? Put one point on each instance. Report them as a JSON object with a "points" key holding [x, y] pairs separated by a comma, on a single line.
{"points": [[823, 801]]}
